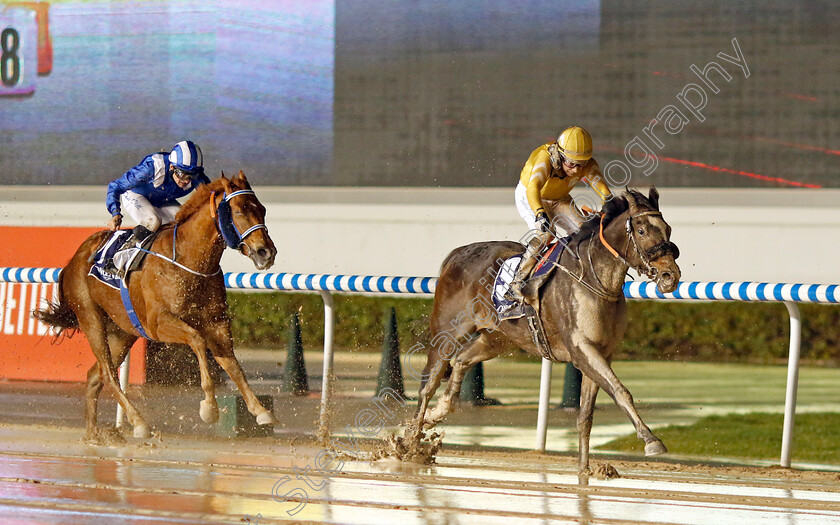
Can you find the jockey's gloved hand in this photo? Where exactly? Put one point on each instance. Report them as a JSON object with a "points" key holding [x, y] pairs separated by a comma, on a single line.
{"points": [[542, 222], [115, 222]]}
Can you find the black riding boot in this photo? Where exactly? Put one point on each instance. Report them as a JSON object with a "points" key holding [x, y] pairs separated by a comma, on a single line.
{"points": [[516, 289], [136, 240]]}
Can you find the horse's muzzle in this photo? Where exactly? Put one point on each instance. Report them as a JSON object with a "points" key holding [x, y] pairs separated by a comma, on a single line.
{"points": [[262, 253], [667, 278]]}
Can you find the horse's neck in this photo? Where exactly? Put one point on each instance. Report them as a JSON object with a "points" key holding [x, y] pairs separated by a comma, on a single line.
{"points": [[198, 244], [609, 269]]}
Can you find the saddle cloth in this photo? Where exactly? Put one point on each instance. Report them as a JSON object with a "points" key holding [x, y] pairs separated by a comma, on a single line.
{"points": [[509, 309], [104, 254]]}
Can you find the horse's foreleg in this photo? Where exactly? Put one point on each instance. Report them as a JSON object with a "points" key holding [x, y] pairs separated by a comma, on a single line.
{"points": [[588, 394], [222, 349], [590, 361], [171, 328], [94, 330]]}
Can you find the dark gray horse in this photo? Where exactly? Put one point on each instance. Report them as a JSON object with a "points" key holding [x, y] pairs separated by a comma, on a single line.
{"points": [[582, 309]]}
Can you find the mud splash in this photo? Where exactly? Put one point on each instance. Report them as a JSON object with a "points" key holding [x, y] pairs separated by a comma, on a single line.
{"points": [[107, 435], [417, 448], [604, 471]]}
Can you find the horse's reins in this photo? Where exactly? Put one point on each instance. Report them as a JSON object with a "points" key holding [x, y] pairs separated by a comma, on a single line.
{"points": [[213, 215], [648, 270], [603, 293], [176, 263]]}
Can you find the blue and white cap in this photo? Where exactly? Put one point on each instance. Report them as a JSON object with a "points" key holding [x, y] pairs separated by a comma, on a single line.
{"points": [[187, 157]]}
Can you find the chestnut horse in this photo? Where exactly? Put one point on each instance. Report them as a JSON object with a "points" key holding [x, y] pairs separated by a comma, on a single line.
{"points": [[178, 295], [582, 309]]}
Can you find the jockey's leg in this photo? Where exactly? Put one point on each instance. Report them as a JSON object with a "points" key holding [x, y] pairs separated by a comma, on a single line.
{"points": [[534, 245], [523, 271], [148, 221]]}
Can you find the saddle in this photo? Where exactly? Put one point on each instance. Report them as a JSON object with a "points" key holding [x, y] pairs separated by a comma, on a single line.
{"points": [[104, 262], [103, 257], [530, 308], [546, 263]]}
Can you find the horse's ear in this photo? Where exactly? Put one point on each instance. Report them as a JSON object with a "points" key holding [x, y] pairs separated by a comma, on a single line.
{"points": [[226, 184], [653, 196], [630, 195], [242, 175]]}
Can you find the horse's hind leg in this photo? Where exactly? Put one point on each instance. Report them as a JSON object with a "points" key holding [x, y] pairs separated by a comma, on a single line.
{"points": [[93, 327], [119, 343], [433, 373], [478, 349], [94, 387], [592, 363]]}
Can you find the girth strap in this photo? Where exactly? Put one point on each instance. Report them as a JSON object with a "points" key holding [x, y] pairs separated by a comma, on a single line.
{"points": [[129, 309]]}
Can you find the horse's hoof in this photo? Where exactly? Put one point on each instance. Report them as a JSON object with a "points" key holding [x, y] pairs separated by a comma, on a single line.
{"points": [[266, 418], [654, 448], [142, 431], [208, 411]]}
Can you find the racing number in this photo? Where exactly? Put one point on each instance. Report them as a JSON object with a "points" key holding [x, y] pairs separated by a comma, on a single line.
{"points": [[9, 59]]}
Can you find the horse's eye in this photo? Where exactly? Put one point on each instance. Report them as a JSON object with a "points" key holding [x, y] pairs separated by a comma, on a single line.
{"points": [[641, 231]]}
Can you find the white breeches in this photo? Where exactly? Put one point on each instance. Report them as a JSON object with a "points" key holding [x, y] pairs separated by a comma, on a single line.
{"points": [[559, 211], [524, 208], [144, 213]]}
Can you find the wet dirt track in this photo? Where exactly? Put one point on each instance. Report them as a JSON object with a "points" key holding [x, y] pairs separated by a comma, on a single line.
{"points": [[56, 478]]}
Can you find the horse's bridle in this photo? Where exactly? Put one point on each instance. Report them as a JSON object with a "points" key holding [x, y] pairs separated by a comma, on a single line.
{"points": [[647, 256], [224, 220]]}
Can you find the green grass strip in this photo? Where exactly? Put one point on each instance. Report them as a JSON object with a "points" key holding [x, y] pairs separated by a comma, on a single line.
{"points": [[816, 438]]}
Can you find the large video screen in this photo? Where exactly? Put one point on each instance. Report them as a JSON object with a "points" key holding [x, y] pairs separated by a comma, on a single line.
{"points": [[251, 82], [445, 93], [430, 93]]}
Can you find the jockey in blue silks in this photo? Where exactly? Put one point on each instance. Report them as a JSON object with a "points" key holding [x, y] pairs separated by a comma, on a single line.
{"points": [[148, 191]]}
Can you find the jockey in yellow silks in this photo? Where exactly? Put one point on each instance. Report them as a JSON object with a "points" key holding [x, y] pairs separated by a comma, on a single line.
{"points": [[542, 195]]}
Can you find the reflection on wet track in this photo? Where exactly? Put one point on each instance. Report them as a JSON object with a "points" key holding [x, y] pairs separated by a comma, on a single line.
{"points": [[189, 480]]}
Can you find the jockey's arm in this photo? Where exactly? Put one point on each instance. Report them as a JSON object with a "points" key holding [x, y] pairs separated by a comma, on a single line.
{"points": [[136, 176], [539, 176], [595, 180]]}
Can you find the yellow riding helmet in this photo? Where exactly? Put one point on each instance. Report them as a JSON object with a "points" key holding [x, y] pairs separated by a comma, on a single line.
{"points": [[575, 144]]}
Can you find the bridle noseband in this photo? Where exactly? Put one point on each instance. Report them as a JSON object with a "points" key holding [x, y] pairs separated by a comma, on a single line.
{"points": [[224, 220]]}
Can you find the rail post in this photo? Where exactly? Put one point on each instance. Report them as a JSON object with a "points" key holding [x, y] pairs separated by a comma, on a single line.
{"points": [[329, 331], [792, 381]]}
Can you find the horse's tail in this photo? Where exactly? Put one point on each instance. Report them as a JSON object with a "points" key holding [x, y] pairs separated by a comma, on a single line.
{"points": [[58, 314]]}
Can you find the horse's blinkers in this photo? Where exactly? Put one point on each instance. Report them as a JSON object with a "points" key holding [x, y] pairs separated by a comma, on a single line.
{"points": [[225, 223]]}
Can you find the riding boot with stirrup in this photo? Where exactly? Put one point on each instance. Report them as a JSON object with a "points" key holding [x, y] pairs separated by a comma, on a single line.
{"points": [[136, 239], [516, 290]]}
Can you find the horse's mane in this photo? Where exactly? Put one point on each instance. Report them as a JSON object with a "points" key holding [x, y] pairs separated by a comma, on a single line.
{"points": [[612, 209], [200, 196]]}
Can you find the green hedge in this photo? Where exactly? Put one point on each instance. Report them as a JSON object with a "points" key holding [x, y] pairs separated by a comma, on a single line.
{"points": [[713, 331]]}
